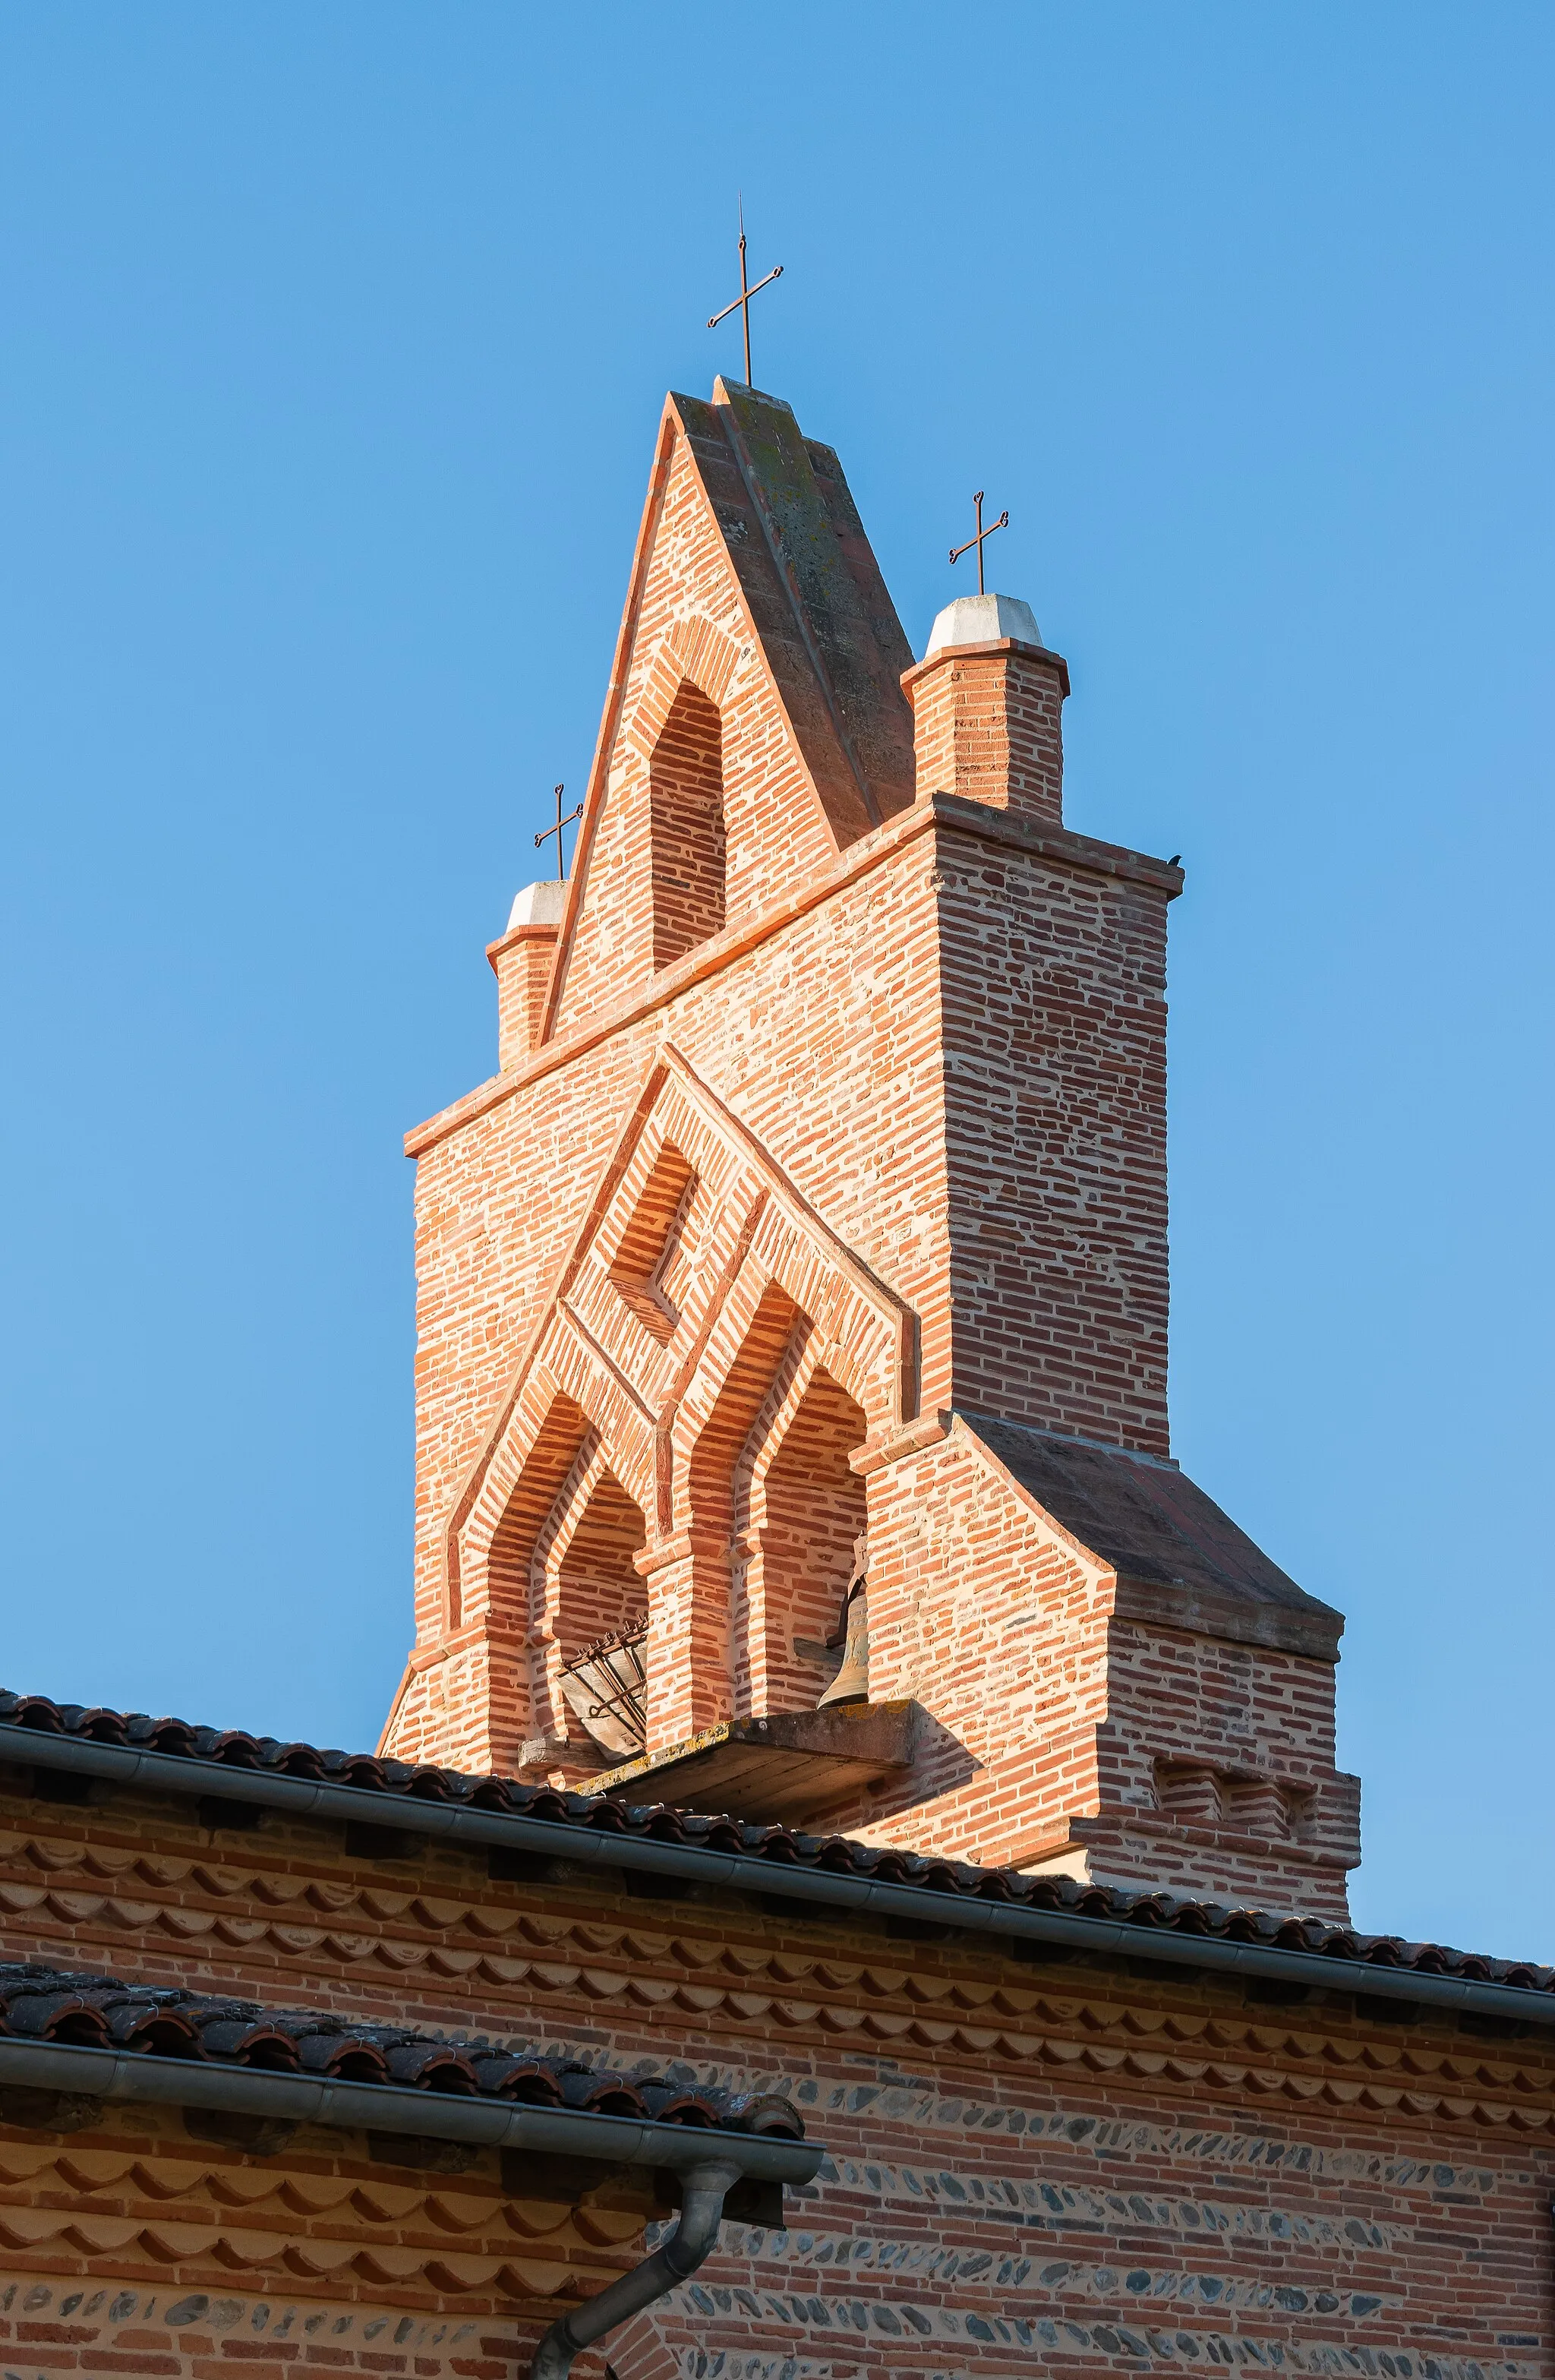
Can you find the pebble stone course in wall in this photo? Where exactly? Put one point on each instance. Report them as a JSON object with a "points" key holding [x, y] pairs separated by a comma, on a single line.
{"points": [[166, 2332]]}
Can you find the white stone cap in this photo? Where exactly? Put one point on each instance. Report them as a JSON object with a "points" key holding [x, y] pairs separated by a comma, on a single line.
{"points": [[982, 620], [538, 904]]}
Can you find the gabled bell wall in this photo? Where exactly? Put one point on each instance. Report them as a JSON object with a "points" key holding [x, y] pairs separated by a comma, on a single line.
{"points": [[924, 1156]]}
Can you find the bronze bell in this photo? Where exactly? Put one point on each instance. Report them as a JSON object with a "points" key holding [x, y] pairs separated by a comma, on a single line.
{"points": [[851, 1684]]}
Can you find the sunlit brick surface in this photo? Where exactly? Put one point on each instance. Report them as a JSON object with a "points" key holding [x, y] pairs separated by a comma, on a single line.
{"points": [[846, 1116]]}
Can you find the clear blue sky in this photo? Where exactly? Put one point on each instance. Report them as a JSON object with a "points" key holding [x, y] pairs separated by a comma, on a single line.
{"points": [[335, 340]]}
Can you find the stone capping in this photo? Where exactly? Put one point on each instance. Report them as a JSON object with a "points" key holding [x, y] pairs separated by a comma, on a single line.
{"points": [[1201, 1607], [993, 650], [516, 934], [807, 550], [739, 410], [1179, 1560], [773, 1861], [1058, 846]]}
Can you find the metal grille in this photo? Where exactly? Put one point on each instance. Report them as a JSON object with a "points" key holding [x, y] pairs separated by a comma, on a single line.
{"points": [[606, 1685]]}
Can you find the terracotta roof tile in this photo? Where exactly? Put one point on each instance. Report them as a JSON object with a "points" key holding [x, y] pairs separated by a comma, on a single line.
{"points": [[100, 2011], [836, 1854]]}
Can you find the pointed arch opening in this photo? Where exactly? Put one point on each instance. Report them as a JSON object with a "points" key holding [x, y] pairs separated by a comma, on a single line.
{"points": [[686, 800], [599, 1624], [551, 1457], [599, 1592], [813, 1515]]}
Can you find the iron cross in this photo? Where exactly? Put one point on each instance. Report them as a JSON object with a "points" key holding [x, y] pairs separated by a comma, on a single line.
{"points": [[743, 300], [957, 550], [556, 830]]}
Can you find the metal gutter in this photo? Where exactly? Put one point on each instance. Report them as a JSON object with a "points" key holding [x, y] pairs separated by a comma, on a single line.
{"points": [[586, 1847], [709, 2161], [143, 2078]]}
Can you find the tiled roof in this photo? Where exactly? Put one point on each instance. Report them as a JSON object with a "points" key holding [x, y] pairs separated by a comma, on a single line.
{"points": [[1157, 1912], [96, 2011]]}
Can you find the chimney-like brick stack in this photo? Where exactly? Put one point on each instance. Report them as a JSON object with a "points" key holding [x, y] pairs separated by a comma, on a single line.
{"points": [[523, 961], [819, 1202], [988, 710]]}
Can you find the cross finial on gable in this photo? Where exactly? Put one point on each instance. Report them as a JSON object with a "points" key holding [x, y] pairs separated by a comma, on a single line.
{"points": [[743, 300], [546, 833], [957, 550]]}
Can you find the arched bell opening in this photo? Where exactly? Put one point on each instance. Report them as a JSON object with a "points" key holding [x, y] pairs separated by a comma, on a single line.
{"points": [[718, 1477], [809, 1517], [599, 1621], [551, 1459], [686, 807]]}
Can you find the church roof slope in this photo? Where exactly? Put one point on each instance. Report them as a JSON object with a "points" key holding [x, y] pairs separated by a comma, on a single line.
{"points": [[162, 1754], [91, 2009]]}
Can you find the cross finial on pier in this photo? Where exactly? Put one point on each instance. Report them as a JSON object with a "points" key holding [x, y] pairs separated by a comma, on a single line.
{"points": [[743, 300], [545, 835], [957, 550]]}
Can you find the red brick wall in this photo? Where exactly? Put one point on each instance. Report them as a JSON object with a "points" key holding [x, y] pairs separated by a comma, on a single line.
{"points": [[1054, 1010], [1033, 2164], [51, 2323], [947, 1043], [1095, 1717], [522, 961], [987, 725], [999, 1164], [499, 1200], [1227, 1737], [692, 625]]}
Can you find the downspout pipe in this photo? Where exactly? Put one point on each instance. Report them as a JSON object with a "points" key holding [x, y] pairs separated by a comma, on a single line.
{"points": [[703, 2190], [706, 2180], [584, 1848]]}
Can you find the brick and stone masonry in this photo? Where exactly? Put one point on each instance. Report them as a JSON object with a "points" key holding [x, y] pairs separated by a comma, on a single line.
{"points": [[815, 1220], [1079, 2164], [824, 1174]]}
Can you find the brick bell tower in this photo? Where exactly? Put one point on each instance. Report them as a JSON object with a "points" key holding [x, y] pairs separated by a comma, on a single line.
{"points": [[792, 1429]]}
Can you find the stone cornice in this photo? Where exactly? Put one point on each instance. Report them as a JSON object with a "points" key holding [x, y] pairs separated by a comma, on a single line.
{"points": [[996, 648]]}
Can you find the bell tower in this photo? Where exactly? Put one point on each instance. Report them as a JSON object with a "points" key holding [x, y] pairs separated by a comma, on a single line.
{"points": [[792, 1428]]}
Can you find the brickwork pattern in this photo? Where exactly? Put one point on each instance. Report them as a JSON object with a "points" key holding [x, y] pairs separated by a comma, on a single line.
{"points": [[1029, 2157], [692, 627], [487, 1261], [522, 963], [1054, 1020], [323, 2215], [1084, 1758], [933, 1050], [49, 2325], [997, 1777], [987, 725]]}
